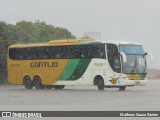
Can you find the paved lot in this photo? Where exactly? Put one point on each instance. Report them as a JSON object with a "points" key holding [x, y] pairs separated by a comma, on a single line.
{"points": [[140, 98]]}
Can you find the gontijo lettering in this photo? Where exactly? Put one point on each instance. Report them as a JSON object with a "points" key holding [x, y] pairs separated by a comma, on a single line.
{"points": [[43, 64]]}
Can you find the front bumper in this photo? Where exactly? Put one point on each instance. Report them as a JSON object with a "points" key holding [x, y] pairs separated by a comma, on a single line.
{"points": [[140, 82], [125, 82]]}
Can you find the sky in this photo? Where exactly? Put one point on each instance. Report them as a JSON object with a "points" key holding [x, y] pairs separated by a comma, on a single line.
{"points": [[133, 20]]}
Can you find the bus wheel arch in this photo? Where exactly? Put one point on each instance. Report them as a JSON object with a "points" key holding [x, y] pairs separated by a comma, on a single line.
{"points": [[27, 82], [99, 81], [37, 81]]}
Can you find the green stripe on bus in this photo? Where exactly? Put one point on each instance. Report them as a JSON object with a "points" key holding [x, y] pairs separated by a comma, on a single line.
{"points": [[69, 69], [80, 69]]}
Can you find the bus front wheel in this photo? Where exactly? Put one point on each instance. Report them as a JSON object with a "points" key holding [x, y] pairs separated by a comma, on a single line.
{"points": [[37, 82], [27, 82], [100, 84]]}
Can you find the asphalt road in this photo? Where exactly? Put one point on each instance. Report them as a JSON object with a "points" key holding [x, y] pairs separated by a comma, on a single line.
{"points": [[81, 98]]}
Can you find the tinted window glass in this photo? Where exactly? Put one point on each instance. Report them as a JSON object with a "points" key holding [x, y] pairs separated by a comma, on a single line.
{"points": [[131, 49], [114, 57], [58, 52]]}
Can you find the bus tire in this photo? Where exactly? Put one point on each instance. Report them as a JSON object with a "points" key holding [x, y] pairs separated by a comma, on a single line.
{"points": [[27, 82], [37, 82], [122, 88], [58, 87], [49, 87], [100, 84]]}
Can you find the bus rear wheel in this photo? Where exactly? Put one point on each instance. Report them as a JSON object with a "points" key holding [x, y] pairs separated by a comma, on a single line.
{"points": [[58, 87], [122, 88], [27, 82], [100, 84], [37, 82]]}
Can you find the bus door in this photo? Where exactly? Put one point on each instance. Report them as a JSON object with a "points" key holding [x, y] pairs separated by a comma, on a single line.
{"points": [[114, 62]]}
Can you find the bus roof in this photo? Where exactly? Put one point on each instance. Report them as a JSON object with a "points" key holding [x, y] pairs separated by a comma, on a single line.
{"points": [[72, 42], [120, 42], [56, 43]]}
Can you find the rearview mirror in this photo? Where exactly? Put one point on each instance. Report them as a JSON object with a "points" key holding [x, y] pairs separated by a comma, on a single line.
{"points": [[124, 58], [151, 57]]}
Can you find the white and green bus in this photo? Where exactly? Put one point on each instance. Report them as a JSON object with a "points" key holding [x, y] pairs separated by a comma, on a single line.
{"points": [[77, 62]]}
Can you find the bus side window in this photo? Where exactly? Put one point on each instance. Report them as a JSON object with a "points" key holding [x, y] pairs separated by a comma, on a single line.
{"points": [[102, 52], [82, 55]]}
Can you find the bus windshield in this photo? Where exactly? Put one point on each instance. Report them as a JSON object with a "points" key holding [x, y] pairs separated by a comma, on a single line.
{"points": [[131, 49], [135, 64], [136, 60]]}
